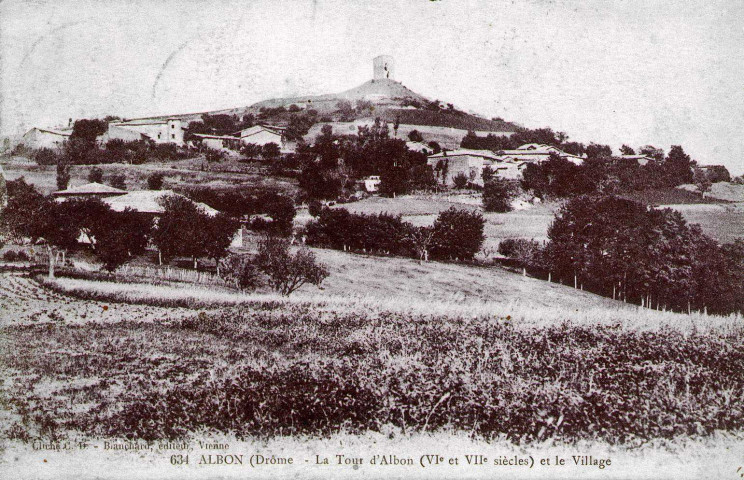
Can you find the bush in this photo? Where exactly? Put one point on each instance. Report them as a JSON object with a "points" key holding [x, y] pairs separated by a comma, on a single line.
{"points": [[460, 180], [95, 175], [497, 195], [45, 156], [155, 181], [118, 181], [526, 252], [287, 272], [314, 207], [10, 256], [458, 234], [240, 271], [213, 155]]}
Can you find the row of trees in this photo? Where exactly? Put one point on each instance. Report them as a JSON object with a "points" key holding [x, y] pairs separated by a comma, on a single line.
{"points": [[558, 177], [455, 235], [183, 230], [622, 249]]}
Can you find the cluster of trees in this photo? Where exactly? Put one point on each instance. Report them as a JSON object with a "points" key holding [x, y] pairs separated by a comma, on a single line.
{"points": [[455, 235], [114, 236], [559, 177], [241, 202], [334, 163], [183, 230], [274, 265], [622, 249]]}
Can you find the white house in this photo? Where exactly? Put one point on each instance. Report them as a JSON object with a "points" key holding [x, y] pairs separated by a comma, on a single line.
{"points": [[535, 152], [159, 131], [218, 142], [45, 138], [372, 183], [263, 134], [449, 164], [89, 190], [148, 201]]}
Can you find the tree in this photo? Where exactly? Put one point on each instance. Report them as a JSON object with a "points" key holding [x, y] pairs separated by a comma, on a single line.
{"points": [[282, 211], [45, 156], [678, 166], [119, 181], [287, 272], [251, 151], [497, 195], [91, 216], [626, 150], [415, 136], [487, 174], [180, 229], [40, 219], [63, 173], [240, 271], [270, 151], [458, 234], [95, 175], [460, 180], [155, 181], [421, 239], [88, 130], [218, 234], [125, 235]]}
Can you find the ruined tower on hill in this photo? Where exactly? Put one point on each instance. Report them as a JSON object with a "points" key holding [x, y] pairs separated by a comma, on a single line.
{"points": [[384, 67]]}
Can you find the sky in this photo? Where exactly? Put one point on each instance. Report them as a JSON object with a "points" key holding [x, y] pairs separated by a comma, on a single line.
{"points": [[636, 72]]}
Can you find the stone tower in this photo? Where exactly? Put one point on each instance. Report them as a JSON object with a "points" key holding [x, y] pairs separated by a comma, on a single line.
{"points": [[384, 67]]}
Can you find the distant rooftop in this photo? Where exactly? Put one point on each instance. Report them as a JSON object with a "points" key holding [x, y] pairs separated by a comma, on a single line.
{"points": [[148, 201], [93, 188]]}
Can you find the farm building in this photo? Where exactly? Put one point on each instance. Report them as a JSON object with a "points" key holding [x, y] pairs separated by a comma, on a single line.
{"points": [[449, 164], [159, 131], [148, 201], [535, 153], [45, 138], [264, 134], [217, 142], [115, 132], [89, 190], [419, 147], [506, 164]]}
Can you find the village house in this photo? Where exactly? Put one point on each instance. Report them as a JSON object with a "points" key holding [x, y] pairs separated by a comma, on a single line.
{"points": [[507, 164], [217, 142], [159, 131], [89, 190], [265, 134], [44, 138], [372, 183]]}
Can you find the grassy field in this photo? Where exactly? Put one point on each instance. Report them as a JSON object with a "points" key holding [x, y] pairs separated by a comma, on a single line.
{"points": [[328, 365]]}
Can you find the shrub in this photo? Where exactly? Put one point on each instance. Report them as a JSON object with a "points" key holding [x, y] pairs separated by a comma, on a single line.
{"points": [[497, 195], [155, 181], [213, 155], [314, 207], [526, 252], [287, 272], [95, 175], [460, 180], [458, 234], [10, 256], [45, 156], [240, 271]]}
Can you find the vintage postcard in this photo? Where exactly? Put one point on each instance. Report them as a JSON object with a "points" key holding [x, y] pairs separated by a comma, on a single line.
{"points": [[371, 239]]}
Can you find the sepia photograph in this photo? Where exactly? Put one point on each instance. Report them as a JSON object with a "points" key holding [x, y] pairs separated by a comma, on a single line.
{"points": [[326, 239]]}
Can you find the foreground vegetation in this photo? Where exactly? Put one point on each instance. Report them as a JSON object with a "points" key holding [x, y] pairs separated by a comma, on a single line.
{"points": [[279, 367]]}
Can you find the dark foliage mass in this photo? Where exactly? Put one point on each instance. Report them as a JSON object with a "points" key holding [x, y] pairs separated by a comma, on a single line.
{"points": [[334, 162], [456, 234], [625, 250], [562, 382]]}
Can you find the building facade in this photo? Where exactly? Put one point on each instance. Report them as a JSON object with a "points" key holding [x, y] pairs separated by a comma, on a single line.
{"points": [[159, 131]]}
